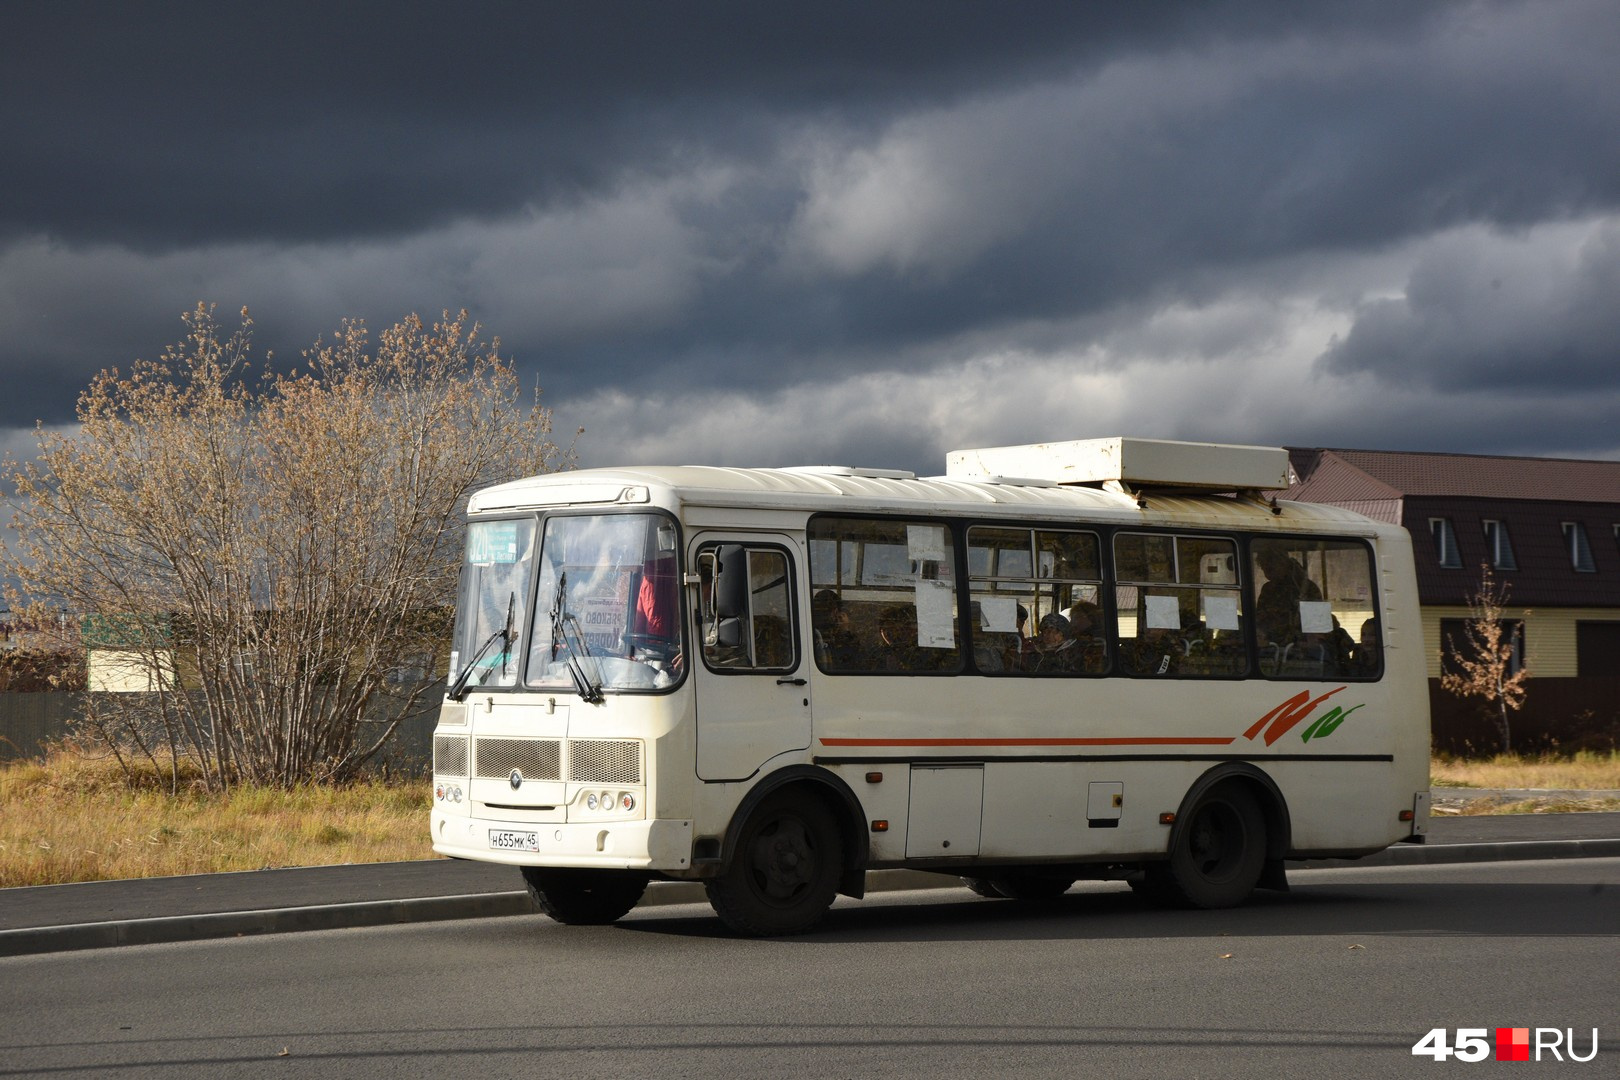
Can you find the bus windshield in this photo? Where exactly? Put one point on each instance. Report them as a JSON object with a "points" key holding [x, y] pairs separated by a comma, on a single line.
{"points": [[607, 605], [492, 607]]}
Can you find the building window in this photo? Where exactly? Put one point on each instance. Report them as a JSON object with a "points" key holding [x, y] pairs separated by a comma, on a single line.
{"points": [[1580, 549], [1445, 542], [1498, 547], [1597, 648]]}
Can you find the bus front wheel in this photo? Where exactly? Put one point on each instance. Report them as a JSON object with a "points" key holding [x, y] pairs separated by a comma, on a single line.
{"points": [[1218, 855], [584, 897], [784, 871]]}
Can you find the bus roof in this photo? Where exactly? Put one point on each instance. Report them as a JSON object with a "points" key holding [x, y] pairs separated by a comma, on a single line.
{"points": [[837, 489]]}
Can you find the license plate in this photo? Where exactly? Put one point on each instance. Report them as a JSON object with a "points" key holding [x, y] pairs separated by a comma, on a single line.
{"points": [[506, 840]]}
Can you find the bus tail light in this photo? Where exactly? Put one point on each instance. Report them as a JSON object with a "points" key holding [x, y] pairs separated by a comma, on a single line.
{"points": [[1408, 815], [880, 826], [1167, 819]]}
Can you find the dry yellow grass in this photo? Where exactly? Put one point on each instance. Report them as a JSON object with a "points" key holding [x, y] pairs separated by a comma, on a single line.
{"points": [[74, 818], [1584, 771]]}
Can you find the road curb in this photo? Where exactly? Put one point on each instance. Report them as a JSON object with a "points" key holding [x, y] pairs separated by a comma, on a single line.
{"points": [[169, 929]]}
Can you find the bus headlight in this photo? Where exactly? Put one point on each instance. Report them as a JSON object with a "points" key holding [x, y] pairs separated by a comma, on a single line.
{"points": [[627, 801]]}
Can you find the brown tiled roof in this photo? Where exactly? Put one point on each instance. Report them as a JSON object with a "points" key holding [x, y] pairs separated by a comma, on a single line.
{"points": [[1532, 498], [1345, 475]]}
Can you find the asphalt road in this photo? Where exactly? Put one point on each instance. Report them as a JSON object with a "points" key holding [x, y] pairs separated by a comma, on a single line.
{"points": [[1338, 977], [148, 911]]}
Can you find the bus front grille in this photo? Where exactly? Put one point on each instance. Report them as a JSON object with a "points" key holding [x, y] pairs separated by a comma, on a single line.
{"points": [[450, 755], [536, 759], [604, 761]]}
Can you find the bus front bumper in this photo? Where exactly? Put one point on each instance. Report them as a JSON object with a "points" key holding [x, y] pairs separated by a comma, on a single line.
{"points": [[662, 844]]}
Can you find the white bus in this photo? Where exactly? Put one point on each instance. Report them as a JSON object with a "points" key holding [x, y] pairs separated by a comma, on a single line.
{"points": [[1113, 659]]}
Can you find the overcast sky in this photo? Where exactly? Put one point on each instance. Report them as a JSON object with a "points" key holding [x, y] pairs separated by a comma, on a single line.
{"points": [[857, 233]]}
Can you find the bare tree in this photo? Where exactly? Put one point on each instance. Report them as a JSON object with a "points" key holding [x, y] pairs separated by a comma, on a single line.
{"points": [[267, 547], [1487, 666]]}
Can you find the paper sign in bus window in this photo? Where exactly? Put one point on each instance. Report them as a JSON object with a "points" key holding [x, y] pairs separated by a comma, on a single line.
{"points": [[936, 615], [925, 543], [1220, 612], [1163, 613], [1315, 617], [998, 614]]}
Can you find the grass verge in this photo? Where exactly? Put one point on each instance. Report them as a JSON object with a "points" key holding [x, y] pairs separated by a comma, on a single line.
{"points": [[1583, 771], [76, 818]]}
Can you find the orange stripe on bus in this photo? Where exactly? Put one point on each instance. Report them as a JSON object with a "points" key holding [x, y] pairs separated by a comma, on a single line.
{"points": [[1126, 741]]}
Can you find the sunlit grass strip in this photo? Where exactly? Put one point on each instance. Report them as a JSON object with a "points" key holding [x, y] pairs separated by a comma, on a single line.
{"points": [[75, 819], [78, 818], [1586, 770]]}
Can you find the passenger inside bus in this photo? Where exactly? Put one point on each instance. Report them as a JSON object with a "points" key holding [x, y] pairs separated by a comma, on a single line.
{"points": [[1157, 651], [1055, 651], [1276, 615], [836, 646], [1086, 624], [897, 630], [1367, 658]]}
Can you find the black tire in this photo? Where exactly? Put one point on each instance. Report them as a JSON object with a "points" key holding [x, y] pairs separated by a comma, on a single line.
{"points": [[984, 888], [1030, 886], [584, 897], [1218, 853], [784, 870]]}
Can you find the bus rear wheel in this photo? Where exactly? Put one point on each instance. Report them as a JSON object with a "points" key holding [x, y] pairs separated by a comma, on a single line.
{"points": [[784, 871], [584, 897], [1218, 855]]}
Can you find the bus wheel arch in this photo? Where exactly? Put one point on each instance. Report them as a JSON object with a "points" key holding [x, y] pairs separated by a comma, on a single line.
{"points": [[785, 859], [1229, 837], [840, 801]]}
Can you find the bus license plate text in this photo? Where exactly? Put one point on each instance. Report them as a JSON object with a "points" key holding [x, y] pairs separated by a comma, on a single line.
{"points": [[506, 840]]}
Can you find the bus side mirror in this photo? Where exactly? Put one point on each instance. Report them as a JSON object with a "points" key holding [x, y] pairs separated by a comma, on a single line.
{"points": [[723, 595]]}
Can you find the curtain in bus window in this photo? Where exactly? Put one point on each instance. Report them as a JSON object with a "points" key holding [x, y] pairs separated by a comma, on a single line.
{"points": [[883, 596], [1314, 616], [1179, 606]]}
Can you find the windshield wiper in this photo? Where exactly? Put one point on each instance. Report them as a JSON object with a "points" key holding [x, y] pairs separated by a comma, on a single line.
{"points": [[458, 689], [581, 667]]}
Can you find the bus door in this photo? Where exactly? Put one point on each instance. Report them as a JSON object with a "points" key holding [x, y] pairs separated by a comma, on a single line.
{"points": [[753, 696]]}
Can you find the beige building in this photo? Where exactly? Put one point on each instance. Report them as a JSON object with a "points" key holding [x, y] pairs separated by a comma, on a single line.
{"points": [[1548, 528]]}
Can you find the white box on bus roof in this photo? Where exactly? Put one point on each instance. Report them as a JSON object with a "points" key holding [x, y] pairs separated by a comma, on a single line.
{"points": [[1137, 462]]}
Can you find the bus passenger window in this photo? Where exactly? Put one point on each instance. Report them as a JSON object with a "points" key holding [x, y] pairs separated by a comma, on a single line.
{"points": [[1313, 610], [883, 596], [1037, 601], [1180, 610]]}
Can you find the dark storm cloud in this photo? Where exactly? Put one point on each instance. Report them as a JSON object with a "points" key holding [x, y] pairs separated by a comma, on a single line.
{"points": [[769, 204], [182, 123], [1488, 312]]}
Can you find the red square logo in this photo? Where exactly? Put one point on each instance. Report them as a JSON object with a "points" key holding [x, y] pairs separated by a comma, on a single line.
{"points": [[1512, 1044]]}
